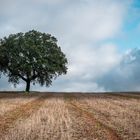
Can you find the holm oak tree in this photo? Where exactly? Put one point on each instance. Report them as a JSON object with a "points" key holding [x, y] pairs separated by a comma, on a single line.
{"points": [[33, 57]]}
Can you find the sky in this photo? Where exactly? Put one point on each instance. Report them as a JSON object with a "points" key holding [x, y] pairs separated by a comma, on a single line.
{"points": [[101, 40]]}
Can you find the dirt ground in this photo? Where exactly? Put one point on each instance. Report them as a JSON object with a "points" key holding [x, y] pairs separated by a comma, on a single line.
{"points": [[70, 116]]}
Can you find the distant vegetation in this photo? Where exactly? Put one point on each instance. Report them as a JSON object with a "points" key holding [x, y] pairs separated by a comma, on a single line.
{"points": [[33, 57]]}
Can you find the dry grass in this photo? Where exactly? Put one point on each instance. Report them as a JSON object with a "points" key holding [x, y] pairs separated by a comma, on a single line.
{"points": [[9, 102], [118, 113], [70, 117]]}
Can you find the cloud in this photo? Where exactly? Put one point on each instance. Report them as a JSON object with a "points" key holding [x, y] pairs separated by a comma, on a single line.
{"points": [[88, 65], [81, 27], [93, 60], [125, 76], [68, 19]]}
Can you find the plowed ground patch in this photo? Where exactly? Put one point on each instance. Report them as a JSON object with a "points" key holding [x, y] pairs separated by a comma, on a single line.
{"points": [[61, 116], [23, 111], [92, 128]]}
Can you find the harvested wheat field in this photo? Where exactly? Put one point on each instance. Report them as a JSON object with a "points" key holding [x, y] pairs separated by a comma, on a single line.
{"points": [[70, 116]]}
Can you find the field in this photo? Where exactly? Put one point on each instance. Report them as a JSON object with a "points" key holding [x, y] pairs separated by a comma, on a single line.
{"points": [[71, 116]]}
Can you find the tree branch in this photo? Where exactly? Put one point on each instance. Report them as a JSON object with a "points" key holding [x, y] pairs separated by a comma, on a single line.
{"points": [[22, 77], [34, 77]]}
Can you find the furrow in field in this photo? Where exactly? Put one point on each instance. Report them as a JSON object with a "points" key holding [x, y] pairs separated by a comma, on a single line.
{"points": [[131, 106], [116, 117], [9, 104], [90, 128], [117, 103], [50, 122], [23, 111], [73, 117], [54, 121]]}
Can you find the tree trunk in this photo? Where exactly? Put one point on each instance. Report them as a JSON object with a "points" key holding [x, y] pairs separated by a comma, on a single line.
{"points": [[28, 86]]}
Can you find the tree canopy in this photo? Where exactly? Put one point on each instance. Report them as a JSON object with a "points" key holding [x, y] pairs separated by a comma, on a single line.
{"points": [[33, 57]]}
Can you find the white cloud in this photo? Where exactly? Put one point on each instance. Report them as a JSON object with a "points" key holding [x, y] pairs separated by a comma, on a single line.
{"points": [[85, 22], [93, 61]]}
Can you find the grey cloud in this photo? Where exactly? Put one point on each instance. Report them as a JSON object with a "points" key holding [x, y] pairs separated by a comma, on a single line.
{"points": [[125, 76]]}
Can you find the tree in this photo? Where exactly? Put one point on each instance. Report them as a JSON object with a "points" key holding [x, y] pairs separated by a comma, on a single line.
{"points": [[33, 57]]}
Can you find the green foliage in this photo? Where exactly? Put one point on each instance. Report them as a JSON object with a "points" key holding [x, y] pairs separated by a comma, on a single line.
{"points": [[32, 56]]}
